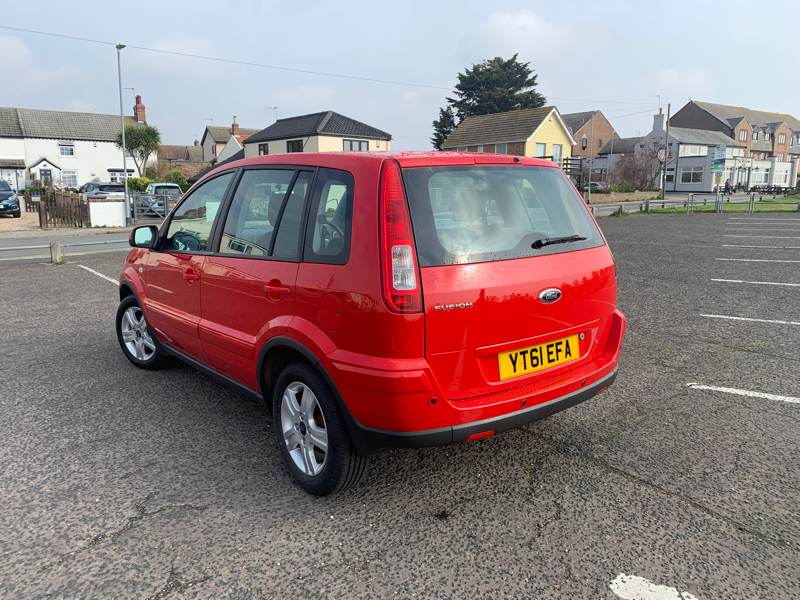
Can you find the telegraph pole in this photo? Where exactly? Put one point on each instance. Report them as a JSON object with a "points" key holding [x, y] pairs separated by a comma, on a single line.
{"points": [[666, 158], [122, 126]]}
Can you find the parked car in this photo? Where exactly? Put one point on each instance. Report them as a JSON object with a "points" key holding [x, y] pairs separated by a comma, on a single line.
{"points": [[158, 198], [9, 203], [596, 186], [378, 300], [97, 190]]}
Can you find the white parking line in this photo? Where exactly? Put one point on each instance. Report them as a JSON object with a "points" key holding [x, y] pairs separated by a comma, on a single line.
{"points": [[764, 220], [774, 237], [770, 260], [99, 274], [775, 321], [757, 282], [748, 393], [632, 587], [760, 229], [764, 247]]}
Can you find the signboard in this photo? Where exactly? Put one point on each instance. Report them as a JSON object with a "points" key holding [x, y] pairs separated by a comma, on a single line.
{"points": [[719, 152], [662, 154], [718, 166]]}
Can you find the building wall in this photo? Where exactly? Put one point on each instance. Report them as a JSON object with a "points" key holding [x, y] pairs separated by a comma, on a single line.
{"points": [[602, 131], [91, 160], [232, 147], [315, 143], [550, 132]]}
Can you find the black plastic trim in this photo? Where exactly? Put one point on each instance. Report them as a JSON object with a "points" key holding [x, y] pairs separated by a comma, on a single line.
{"points": [[377, 438]]}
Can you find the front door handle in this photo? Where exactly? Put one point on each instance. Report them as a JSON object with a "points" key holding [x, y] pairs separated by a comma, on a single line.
{"points": [[275, 289], [191, 276]]}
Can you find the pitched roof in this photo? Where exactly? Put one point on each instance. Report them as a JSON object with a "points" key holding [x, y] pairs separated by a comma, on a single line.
{"points": [[56, 124], [724, 112], [577, 120], [176, 152], [321, 123], [621, 145], [511, 126], [221, 134], [237, 156], [703, 137]]}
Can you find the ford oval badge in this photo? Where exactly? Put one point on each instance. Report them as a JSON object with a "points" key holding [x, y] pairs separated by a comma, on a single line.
{"points": [[549, 295]]}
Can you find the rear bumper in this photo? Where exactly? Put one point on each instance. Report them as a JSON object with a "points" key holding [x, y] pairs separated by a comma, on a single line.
{"points": [[376, 438]]}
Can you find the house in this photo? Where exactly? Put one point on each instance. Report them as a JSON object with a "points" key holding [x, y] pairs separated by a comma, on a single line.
{"points": [[63, 149], [538, 132], [215, 137], [188, 160], [770, 141], [591, 130], [326, 131]]}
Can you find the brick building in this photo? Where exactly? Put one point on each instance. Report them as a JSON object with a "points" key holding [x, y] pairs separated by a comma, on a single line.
{"points": [[591, 130]]}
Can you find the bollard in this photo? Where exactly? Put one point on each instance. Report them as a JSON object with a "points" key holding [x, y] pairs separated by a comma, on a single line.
{"points": [[56, 253]]}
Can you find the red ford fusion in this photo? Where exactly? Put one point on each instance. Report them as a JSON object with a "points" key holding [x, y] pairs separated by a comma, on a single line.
{"points": [[379, 300]]}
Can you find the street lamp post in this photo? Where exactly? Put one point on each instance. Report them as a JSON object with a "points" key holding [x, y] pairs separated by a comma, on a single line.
{"points": [[122, 126]]}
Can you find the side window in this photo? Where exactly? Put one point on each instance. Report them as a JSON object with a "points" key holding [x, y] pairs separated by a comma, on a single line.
{"points": [[331, 215], [287, 241], [254, 212], [190, 227]]}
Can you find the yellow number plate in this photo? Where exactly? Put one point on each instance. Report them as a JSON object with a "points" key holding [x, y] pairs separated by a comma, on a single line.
{"points": [[535, 358]]}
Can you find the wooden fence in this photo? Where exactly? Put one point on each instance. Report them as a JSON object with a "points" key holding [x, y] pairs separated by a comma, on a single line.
{"points": [[59, 208]]}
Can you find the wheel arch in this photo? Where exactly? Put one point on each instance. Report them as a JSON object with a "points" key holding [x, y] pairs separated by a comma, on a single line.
{"points": [[280, 351]]}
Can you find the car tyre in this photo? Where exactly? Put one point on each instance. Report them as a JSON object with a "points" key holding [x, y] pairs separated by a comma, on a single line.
{"points": [[138, 343], [17, 214], [311, 433]]}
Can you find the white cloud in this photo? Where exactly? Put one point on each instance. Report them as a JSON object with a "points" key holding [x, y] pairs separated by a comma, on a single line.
{"points": [[174, 65], [505, 33], [22, 70]]}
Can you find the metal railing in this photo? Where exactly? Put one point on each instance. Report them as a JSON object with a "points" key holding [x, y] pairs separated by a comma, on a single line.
{"points": [[719, 203], [151, 208]]}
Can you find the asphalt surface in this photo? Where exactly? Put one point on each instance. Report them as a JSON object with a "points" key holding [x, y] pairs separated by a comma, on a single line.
{"points": [[122, 483]]}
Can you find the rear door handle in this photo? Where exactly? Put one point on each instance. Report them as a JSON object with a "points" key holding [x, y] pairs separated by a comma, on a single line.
{"points": [[191, 276], [274, 289]]}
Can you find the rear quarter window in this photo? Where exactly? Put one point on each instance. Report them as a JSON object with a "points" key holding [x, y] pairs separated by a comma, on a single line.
{"points": [[478, 214]]}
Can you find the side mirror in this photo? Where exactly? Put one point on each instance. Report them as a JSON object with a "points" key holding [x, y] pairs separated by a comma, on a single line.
{"points": [[144, 236]]}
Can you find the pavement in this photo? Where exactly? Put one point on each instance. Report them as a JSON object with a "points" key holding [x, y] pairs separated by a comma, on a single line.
{"points": [[682, 478]]}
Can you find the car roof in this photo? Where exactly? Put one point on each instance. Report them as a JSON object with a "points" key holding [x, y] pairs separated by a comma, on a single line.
{"points": [[345, 160]]}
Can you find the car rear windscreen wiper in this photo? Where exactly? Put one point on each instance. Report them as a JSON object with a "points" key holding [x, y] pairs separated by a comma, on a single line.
{"points": [[556, 240]]}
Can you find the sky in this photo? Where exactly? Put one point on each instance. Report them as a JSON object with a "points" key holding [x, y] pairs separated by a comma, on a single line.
{"points": [[623, 57]]}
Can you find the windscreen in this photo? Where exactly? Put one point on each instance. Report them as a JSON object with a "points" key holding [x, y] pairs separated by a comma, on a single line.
{"points": [[112, 188], [485, 213]]}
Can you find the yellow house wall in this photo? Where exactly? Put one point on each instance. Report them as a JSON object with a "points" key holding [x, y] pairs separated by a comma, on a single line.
{"points": [[550, 132]]}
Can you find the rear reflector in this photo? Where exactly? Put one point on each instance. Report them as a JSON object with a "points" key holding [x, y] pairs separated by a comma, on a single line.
{"points": [[481, 435]]}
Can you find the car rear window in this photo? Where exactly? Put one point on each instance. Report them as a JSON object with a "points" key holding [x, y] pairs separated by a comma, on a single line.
{"points": [[484, 213], [112, 188]]}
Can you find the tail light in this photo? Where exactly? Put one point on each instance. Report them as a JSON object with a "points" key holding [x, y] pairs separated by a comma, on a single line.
{"points": [[398, 255]]}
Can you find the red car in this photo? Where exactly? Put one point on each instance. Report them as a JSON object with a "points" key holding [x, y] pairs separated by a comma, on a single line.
{"points": [[378, 300]]}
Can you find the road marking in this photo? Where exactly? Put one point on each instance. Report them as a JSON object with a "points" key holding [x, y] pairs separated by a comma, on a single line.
{"points": [[764, 247], [631, 587], [757, 282], [754, 220], [760, 229], [776, 321], [774, 237], [99, 274], [748, 393], [771, 260]]}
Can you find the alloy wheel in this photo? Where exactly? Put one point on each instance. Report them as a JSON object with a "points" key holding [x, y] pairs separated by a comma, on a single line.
{"points": [[303, 426], [135, 334]]}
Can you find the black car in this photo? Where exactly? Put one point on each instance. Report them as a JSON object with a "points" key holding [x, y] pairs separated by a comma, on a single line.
{"points": [[9, 203]]}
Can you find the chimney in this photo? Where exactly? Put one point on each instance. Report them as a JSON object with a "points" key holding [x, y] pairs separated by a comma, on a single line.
{"points": [[659, 121], [234, 126], [138, 110], [197, 142]]}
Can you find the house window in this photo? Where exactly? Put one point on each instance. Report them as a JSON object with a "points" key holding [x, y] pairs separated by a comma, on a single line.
{"points": [[66, 149], [743, 135], [294, 146], [782, 138], [692, 175], [355, 145], [541, 150], [501, 148], [69, 179], [599, 142], [670, 175], [263, 149], [557, 153], [755, 136], [480, 148], [767, 136]]}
